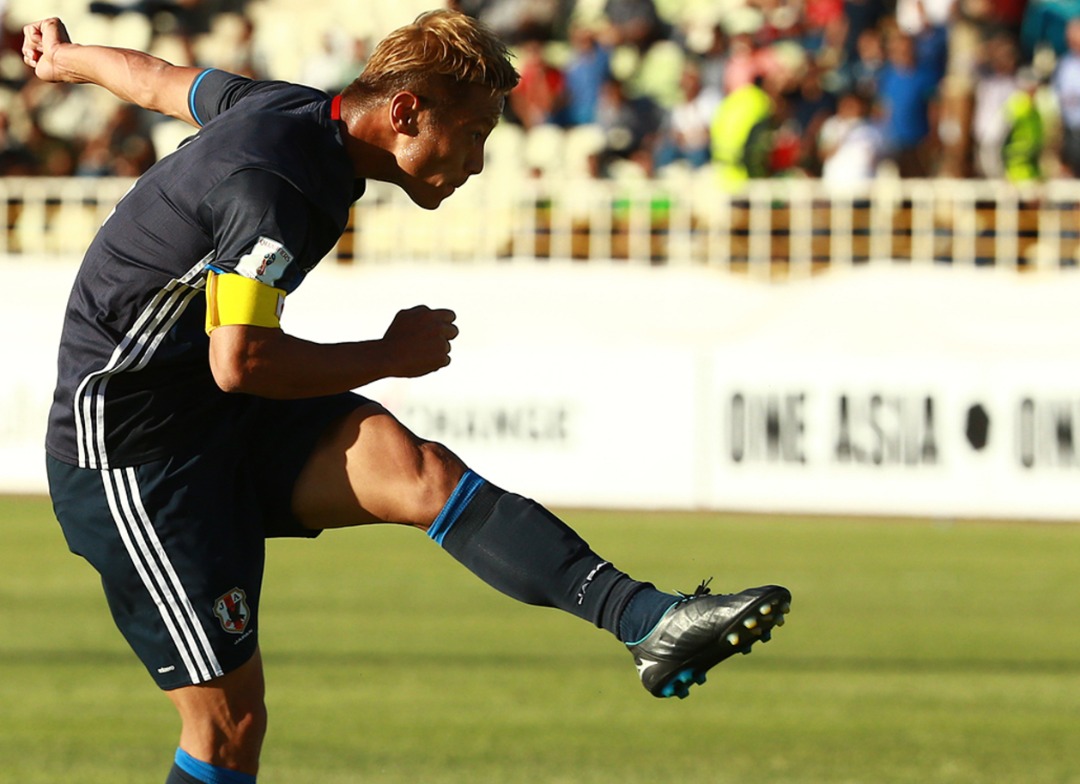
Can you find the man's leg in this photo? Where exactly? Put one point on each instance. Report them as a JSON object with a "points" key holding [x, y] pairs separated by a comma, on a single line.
{"points": [[180, 553], [369, 468], [223, 725]]}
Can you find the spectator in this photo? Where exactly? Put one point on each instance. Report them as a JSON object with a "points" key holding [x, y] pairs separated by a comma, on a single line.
{"points": [[862, 71], [586, 71], [743, 64], [908, 94], [1066, 85], [15, 159], [515, 21], [953, 126], [850, 144], [12, 77], [824, 29], [860, 16], [122, 149], [686, 133], [714, 60], [245, 57], [1023, 145], [540, 95], [993, 90], [340, 56], [55, 157], [630, 127], [811, 105], [635, 23], [926, 21], [743, 132], [187, 20]]}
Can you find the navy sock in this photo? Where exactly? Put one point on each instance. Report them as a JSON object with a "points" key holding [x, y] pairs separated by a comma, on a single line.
{"points": [[643, 612], [177, 776], [188, 770], [520, 548]]}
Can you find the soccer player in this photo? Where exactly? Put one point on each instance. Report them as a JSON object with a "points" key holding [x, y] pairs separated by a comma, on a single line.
{"points": [[188, 426]]}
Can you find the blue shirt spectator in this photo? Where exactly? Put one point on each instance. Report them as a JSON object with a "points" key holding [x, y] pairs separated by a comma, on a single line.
{"points": [[585, 73], [906, 90]]}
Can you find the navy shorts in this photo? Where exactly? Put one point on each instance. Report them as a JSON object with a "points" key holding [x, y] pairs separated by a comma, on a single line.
{"points": [[180, 542]]}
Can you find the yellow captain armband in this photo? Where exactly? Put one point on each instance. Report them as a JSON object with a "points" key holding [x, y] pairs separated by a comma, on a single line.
{"points": [[232, 299]]}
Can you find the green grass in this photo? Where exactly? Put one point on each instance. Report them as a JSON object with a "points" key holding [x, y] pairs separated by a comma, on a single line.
{"points": [[915, 652]]}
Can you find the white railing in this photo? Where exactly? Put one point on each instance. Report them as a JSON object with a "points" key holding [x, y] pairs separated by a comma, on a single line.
{"points": [[775, 228]]}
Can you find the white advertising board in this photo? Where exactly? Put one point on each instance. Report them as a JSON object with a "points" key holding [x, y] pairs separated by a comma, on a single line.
{"points": [[886, 390], [936, 392], [30, 323]]}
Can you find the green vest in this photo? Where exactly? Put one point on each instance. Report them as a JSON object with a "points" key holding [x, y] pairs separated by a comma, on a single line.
{"points": [[738, 135], [1024, 144]]}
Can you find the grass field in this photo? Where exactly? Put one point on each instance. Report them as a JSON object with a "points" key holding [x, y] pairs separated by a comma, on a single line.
{"points": [[915, 652]]}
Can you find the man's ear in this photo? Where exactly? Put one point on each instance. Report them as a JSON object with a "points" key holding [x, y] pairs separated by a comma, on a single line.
{"points": [[404, 113]]}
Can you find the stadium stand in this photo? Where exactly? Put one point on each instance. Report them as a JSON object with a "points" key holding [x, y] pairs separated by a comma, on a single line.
{"points": [[66, 154]]}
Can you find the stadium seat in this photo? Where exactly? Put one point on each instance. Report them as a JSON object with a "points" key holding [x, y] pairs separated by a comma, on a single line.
{"points": [[545, 148], [582, 142], [166, 136], [505, 148]]}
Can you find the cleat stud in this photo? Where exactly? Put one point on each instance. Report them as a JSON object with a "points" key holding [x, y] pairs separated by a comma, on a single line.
{"points": [[679, 685], [746, 651], [785, 608], [750, 623], [699, 679], [766, 636], [780, 620], [765, 609], [733, 638]]}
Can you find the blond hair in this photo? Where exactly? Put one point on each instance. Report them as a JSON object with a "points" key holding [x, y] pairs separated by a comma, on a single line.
{"points": [[438, 50]]}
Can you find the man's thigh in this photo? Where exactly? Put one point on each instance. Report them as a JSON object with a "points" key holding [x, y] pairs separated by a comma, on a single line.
{"points": [[369, 468], [284, 437]]}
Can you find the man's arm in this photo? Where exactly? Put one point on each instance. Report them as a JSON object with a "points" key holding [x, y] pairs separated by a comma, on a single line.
{"points": [[132, 76], [269, 363]]}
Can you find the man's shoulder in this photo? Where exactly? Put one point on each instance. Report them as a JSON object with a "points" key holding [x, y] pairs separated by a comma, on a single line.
{"points": [[274, 101], [268, 126], [287, 130], [214, 84]]}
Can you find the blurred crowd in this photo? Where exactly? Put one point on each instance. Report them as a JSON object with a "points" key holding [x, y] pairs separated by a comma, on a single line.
{"points": [[844, 90]]}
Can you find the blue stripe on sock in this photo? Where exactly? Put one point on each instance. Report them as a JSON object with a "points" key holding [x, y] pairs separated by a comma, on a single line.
{"points": [[211, 774], [455, 505]]}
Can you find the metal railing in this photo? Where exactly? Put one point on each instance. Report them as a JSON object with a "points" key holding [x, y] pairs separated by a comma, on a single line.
{"points": [[774, 228]]}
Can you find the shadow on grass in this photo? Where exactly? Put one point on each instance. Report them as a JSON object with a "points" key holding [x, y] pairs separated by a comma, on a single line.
{"points": [[505, 660], [511, 660]]}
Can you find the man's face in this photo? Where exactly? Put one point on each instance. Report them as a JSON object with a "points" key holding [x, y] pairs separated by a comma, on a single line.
{"points": [[448, 145]]}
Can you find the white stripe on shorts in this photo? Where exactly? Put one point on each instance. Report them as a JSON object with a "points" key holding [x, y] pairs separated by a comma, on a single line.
{"points": [[158, 575]]}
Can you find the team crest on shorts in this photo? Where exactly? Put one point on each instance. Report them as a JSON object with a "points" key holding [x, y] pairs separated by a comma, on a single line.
{"points": [[233, 611]]}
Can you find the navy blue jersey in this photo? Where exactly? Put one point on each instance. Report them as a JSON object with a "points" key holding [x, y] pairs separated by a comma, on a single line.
{"points": [[264, 190]]}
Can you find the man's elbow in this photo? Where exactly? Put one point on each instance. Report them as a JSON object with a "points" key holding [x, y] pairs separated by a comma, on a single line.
{"points": [[236, 360], [231, 374]]}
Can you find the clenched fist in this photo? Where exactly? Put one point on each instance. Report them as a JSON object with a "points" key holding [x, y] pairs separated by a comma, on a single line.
{"points": [[419, 339], [40, 42]]}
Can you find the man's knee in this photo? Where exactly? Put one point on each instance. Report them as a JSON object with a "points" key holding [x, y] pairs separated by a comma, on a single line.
{"points": [[418, 475], [371, 468], [439, 471]]}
